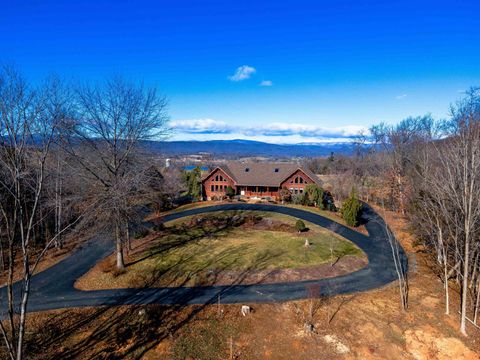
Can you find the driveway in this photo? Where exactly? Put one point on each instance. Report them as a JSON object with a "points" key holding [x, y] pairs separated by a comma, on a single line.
{"points": [[54, 287]]}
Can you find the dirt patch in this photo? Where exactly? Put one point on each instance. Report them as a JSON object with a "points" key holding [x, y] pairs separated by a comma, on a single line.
{"points": [[428, 343]]}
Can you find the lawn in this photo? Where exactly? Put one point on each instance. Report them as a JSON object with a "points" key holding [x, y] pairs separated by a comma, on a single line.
{"points": [[213, 249], [335, 216]]}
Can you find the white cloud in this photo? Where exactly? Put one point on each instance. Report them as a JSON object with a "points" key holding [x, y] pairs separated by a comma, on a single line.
{"points": [[300, 132], [266, 83], [401, 97], [201, 126], [287, 129], [242, 73]]}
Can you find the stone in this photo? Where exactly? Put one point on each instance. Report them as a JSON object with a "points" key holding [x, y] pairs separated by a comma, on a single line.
{"points": [[246, 310]]}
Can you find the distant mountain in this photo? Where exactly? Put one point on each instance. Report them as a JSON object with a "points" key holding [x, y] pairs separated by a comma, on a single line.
{"points": [[244, 148]]}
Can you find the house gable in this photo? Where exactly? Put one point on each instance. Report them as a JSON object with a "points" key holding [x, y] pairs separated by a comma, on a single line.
{"points": [[218, 171], [216, 183], [297, 182]]}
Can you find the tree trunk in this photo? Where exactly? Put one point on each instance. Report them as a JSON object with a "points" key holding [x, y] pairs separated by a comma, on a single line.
{"points": [[120, 261], [127, 237], [463, 321], [447, 298], [477, 302]]}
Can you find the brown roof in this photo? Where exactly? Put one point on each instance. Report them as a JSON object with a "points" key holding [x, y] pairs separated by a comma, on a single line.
{"points": [[263, 174]]}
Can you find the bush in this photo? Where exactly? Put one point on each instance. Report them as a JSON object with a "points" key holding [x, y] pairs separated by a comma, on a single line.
{"points": [[298, 199], [230, 192], [328, 202], [285, 195], [300, 226], [314, 195], [351, 209]]}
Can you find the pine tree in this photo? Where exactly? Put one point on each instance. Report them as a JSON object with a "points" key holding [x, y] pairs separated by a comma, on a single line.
{"points": [[351, 209]]}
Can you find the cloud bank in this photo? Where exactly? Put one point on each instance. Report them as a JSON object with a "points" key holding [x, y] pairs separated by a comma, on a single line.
{"points": [[242, 73], [289, 132]]}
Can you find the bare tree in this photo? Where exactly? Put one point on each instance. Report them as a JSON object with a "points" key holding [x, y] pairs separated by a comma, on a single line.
{"points": [[399, 143], [110, 122], [446, 208], [400, 263], [460, 160], [27, 132]]}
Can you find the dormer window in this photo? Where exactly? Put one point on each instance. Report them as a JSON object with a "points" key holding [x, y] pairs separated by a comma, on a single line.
{"points": [[276, 170], [247, 169]]}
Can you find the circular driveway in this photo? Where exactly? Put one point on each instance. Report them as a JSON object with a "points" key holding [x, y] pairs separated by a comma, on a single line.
{"points": [[54, 287]]}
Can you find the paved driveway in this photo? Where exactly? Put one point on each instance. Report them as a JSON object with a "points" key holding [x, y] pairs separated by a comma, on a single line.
{"points": [[53, 288]]}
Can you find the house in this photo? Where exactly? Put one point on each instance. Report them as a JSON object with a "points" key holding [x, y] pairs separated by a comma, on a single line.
{"points": [[257, 179]]}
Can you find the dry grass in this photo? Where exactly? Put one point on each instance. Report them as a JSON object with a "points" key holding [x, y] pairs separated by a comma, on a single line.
{"points": [[368, 325], [261, 249]]}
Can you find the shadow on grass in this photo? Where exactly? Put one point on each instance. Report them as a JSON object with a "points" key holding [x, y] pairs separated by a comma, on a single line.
{"points": [[130, 331]]}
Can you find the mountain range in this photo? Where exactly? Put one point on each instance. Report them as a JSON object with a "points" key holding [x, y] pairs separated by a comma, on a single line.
{"points": [[245, 148]]}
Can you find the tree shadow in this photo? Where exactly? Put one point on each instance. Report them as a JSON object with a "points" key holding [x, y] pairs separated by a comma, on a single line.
{"points": [[130, 331]]}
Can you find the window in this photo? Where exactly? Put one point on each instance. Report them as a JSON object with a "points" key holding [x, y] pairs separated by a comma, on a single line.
{"points": [[216, 178], [212, 188], [216, 187], [221, 178], [276, 170], [247, 169], [301, 190], [301, 180], [296, 181]]}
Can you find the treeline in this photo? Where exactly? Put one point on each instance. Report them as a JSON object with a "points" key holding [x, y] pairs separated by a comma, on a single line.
{"points": [[428, 170], [70, 161]]}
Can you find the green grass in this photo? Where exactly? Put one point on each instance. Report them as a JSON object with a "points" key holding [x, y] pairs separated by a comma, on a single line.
{"points": [[184, 254]]}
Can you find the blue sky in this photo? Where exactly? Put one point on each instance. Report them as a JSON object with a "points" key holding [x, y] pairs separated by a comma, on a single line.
{"points": [[276, 71]]}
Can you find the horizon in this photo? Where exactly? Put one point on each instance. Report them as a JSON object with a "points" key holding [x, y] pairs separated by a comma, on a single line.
{"points": [[281, 73]]}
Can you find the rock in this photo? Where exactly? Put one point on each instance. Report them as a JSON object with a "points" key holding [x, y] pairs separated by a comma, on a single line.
{"points": [[246, 310], [308, 327]]}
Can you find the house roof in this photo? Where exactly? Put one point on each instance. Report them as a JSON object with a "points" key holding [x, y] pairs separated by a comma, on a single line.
{"points": [[262, 174]]}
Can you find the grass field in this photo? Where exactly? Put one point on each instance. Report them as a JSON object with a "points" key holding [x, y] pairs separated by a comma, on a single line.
{"points": [[188, 254]]}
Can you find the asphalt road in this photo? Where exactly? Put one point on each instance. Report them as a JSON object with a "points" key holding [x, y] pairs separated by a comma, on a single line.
{"points": [[53, 288]]}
